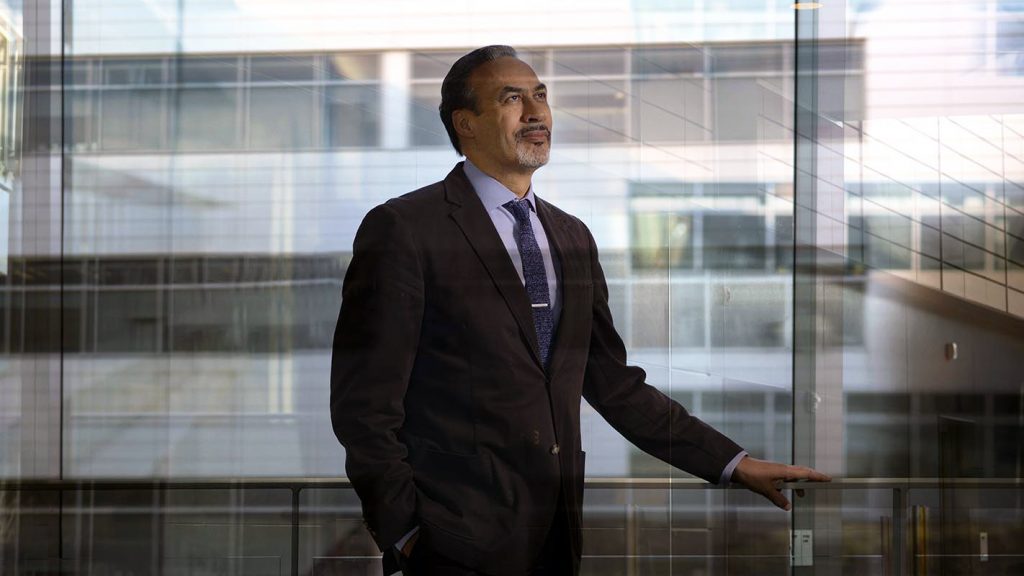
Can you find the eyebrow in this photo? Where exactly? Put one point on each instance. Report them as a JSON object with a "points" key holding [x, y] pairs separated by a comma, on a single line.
{"points": [[516, 90]]}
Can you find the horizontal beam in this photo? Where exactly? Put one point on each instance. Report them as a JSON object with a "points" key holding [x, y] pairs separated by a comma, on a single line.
{"points": [[590, 483]]}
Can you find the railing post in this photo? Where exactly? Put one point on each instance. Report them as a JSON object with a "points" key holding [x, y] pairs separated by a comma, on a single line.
{"points": [[885, 533], [631, 533], [897, 541], [295, 529], [919, 551]]}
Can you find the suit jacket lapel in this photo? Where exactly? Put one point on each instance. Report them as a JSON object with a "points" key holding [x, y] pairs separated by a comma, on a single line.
{"points": [[468, 212], [569, 283]]}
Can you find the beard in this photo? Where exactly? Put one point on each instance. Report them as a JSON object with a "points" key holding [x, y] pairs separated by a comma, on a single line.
{"points": [[531, 155]]}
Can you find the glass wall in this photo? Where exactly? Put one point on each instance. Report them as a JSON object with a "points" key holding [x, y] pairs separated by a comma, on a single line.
{"points": [[209, 190], [811, 220], [908, 335], [913, 194]]}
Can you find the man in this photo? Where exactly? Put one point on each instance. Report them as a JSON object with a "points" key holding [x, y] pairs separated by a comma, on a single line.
{"points": [[474, 317]]}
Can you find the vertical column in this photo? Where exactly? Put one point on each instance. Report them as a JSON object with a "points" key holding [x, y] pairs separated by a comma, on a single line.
{"points": [[396, 71], [30, 389], [819, 264], [36, 241]]}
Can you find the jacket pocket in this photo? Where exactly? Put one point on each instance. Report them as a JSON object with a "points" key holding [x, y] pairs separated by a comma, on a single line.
{"points": [[452, 490], [451, 496]]}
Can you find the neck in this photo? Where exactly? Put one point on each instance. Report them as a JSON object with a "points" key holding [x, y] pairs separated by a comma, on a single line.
{"points": [[518, 181]]}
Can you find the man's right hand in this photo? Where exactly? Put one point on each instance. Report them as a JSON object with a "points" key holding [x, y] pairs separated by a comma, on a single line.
{"points": [[765, 478]]}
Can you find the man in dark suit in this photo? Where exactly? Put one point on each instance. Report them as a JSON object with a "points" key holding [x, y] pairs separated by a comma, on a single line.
{"points": [[474, 318]]}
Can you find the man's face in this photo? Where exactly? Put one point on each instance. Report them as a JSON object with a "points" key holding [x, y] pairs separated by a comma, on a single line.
{"points": [[513, 129]]}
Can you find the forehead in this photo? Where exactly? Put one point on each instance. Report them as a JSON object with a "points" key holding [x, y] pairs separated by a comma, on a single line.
{"points": [[505, 71]]}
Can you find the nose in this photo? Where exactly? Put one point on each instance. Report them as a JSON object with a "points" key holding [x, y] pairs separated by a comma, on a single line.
{"points": [[535, 111]]}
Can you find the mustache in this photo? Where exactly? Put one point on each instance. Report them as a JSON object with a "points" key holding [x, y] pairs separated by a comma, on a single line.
{"points": [[533, 128]]}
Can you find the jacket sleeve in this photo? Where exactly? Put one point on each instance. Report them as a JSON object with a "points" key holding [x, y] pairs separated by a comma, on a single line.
{"points": [[372, 359], [648, 418]]}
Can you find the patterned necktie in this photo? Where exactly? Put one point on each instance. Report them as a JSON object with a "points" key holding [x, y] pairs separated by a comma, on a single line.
{"points": [[533, 272]]}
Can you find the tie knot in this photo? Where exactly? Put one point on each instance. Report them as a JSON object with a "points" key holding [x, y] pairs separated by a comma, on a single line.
{"points": [[520, 209]]}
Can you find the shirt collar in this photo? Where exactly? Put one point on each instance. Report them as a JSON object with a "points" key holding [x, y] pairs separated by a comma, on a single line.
{"points": [[492, 193]]}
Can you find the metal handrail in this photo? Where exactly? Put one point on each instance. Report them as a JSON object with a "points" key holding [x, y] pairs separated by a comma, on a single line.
{"points": [[892, 531], [593, 482]]}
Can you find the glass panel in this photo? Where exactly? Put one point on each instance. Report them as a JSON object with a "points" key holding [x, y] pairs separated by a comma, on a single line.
{"points": [[662, 241], [281, 118], [208, 119], [277, 69], [335, 540], [82, 120], [734, 241], [903, 327], [207, 70], [425, 125], [433, 65], [179, 531], [133, 120], [352, 66], [814, 243], [739, 106], [353, 116], [669, 111], [590, 63], [659, 531], [685, 60], [589, 111], [964, 530], [132, 72]]}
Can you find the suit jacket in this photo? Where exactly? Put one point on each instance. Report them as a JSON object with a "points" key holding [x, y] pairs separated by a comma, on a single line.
{"points": [[448, 418]]}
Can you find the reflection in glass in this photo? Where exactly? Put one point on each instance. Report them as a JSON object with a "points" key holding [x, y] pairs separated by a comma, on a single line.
{"points": [[281, 118], [209, 119], [179, 201]]}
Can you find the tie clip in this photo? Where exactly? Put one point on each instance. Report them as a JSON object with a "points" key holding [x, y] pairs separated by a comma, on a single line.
{"points": [[542, 305]]}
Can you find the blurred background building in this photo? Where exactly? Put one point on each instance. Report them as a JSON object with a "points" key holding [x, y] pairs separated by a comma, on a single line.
{"points": [[811, 217]]}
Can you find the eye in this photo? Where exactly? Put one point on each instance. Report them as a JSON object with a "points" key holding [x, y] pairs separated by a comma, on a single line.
{"points": [[512, 98], [542, 96]]}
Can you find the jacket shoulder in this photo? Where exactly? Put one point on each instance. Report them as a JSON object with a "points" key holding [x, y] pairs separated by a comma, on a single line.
{"points": [[429, 196], [432, 200]]}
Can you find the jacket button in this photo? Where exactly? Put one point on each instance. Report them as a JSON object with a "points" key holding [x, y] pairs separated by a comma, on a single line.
{"points": [[555, 449]]}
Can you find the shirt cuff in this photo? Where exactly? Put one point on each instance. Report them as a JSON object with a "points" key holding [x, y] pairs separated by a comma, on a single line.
{"points": [[730, 468], [401, 543]]}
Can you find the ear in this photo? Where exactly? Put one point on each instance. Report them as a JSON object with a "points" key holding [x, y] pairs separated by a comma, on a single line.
{"points": [[462, 120]]}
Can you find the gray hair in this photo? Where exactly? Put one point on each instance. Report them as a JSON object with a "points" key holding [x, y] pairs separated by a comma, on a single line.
{"points": [[457, 94]]}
